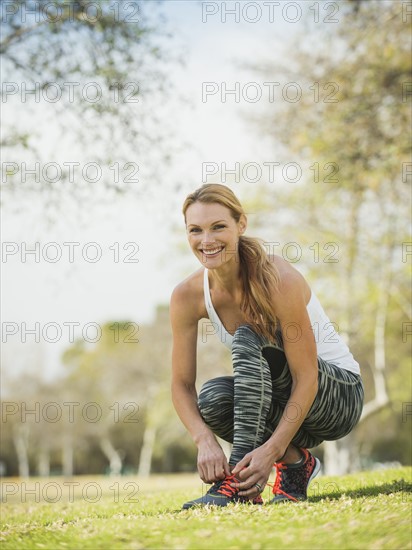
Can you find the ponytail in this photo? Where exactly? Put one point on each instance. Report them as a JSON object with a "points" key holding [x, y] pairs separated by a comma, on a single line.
{"points": [[259, 278]]}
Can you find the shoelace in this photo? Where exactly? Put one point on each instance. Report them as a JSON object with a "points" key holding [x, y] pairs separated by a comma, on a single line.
{"points": [[276, 486], [225, 487]]}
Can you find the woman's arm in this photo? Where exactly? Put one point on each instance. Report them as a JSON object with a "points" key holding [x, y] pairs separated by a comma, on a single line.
{"points": [[300, 350], [212, 463]]}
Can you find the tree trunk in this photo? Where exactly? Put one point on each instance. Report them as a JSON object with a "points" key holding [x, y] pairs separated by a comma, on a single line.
{"points": [[146, 453], [43, 464], [20, 438], [115, 461], [381, 395], [336, 457], [341, 456], [67, 457]]}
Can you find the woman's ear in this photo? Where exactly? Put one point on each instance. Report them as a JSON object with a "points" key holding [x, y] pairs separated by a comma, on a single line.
{"points": [[242, 224]]}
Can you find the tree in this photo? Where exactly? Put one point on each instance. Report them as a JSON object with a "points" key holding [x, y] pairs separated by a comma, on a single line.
{"points": [[353, 130], [95, 72], [111, 408]]}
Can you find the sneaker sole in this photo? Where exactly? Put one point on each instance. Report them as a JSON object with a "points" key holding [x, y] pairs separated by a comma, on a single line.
{"points": [[218, 502], [188, 506], [315, 469]]}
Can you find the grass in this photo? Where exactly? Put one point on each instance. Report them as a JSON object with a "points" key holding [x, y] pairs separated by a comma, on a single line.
{"points": [[367, 510]]}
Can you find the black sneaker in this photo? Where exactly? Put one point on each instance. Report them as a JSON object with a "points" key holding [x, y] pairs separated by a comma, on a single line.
{"points": [[292, 480], [221, 494]]}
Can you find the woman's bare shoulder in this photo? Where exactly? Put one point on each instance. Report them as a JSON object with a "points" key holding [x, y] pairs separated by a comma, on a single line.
{"points": [[187, 296], [290, 278], [283, 266], [190, 286]]}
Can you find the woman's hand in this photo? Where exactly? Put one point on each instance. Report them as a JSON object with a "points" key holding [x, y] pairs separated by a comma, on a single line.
{"points": [[255, 468], [212, 464]]}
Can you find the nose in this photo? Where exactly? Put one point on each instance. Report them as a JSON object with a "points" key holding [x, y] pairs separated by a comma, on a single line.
{"points": [[207, 238]]}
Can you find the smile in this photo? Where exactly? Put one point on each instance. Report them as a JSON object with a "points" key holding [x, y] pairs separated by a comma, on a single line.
{"points": [[212, 251]]}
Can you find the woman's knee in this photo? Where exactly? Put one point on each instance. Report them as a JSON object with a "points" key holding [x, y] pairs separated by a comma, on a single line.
{"points": [[216, 393], [246, 335], [246, 338]]}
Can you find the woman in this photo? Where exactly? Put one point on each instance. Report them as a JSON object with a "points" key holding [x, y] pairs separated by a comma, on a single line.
{"points": [[289, 391]]}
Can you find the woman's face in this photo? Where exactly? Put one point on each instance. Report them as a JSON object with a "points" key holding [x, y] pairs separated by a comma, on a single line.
{"points": [[213, 234]]}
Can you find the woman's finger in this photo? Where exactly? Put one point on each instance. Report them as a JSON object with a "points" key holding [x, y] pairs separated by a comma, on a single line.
{"points": [[254, 490], [241, 465], [201, 473], [244, 485], [220, 472], [211, 474]]}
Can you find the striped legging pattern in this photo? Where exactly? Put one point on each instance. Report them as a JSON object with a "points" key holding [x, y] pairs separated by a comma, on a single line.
{"points": [[245, 409]]}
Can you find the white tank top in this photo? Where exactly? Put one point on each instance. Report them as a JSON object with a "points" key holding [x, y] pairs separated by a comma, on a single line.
{"points": [[329, 344]]}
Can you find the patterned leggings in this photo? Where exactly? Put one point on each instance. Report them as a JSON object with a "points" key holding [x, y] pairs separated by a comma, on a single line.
{"points": [[246, 408]]}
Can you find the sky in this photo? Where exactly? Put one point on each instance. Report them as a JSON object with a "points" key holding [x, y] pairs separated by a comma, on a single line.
{"points": [[135, 243]]}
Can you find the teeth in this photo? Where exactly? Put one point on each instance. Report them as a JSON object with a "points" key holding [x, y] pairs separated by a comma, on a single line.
{"points": [[212, 251]]}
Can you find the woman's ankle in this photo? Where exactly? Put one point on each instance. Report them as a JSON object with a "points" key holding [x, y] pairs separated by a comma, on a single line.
{"points": [[292, 455]]}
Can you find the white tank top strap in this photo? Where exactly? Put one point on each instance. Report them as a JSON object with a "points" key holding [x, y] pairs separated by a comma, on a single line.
{"points": [[225, 337]]}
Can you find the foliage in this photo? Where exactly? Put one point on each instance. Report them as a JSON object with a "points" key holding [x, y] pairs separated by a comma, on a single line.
{"points": [[126, 374], [110, 50], [349, 214]]}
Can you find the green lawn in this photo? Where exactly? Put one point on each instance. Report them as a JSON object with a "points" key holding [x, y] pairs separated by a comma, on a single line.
{"points": [[367, 510]]}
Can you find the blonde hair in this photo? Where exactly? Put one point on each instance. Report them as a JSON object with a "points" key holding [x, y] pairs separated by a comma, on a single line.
{"points": [[259, 276]]}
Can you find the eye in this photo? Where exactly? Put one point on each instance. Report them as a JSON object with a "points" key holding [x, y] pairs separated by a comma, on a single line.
{"points": [[194, 230], [220, 226]]}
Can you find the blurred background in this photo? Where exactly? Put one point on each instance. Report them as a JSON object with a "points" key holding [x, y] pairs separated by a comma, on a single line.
{"points": [[113, 111]]}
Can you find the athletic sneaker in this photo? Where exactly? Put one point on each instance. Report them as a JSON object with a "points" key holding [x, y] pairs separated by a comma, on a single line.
{"points": [[292, 480], [221, 494]]}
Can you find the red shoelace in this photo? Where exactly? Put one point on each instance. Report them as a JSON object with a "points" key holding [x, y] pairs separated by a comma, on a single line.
{"points": [[226, 489], [229, 491]]}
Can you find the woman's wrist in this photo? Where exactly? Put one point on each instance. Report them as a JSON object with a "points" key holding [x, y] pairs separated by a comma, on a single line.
{"points": [[203, 437], [276, 449]]}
